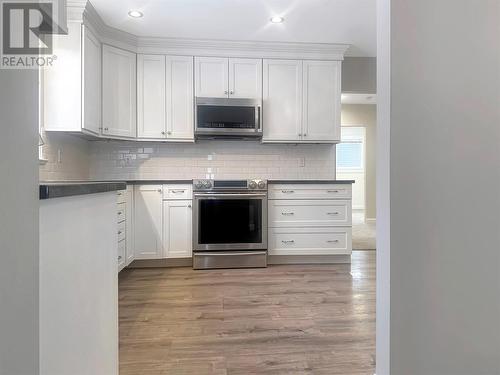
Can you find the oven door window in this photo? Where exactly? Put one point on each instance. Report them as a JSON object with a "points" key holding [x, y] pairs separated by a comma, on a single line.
{"points": [[227, 221], [225, 117]]}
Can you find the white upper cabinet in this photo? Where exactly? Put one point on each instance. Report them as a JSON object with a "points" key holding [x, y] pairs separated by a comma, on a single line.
{"points": [[301, 101], [282, 100], [177, 228], [180, 98], [211, 77], [321, 101], [71, 89], [148, 222], [91, 80], [220, 77], [119, 92], [165, 100], [151, 96], [245, 78]]}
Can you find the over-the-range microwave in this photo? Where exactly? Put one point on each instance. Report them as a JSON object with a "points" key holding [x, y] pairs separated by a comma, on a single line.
{"points": [[228, 118]]}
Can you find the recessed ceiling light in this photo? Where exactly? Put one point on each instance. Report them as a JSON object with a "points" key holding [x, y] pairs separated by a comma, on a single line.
{"points": [[135, 14], [277, 19]]}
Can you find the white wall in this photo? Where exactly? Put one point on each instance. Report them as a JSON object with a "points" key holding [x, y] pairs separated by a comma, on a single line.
{"points": [[228, 159], [444, 188], [366, 115], [19, 222], [359, 75]]}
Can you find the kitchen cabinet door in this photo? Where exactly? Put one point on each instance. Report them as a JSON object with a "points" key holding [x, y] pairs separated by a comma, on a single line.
{"points": [[177, 228], [91, 82], [245, 78], [180, 98], [211, 77], [321, 101], [148, 222], [119, 92], [151, 96], [282, 100]]}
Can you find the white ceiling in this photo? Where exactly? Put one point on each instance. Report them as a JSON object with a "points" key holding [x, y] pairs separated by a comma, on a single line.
{"points": [[320, 21]]}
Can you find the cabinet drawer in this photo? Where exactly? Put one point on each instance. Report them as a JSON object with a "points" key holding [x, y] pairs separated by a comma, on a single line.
{"points": [[121, 254], [120, 196], [309, 241], [121, 213], [180, 191], [309, 213], [121, 231], [310, 191]]}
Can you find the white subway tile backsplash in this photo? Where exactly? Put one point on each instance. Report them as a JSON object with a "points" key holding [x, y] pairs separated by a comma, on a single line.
{"points": [[223, 159]]}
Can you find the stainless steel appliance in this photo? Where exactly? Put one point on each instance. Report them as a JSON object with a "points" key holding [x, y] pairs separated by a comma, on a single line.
{"points": [[228, 118], [229, 223]]}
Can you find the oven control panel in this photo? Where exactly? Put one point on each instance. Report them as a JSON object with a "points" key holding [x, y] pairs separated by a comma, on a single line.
{"points": [[207, 184]]}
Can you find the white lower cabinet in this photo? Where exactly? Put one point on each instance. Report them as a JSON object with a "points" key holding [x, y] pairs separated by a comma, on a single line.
{"points": [[148, 222], [306, 219], [177, 228], [162, 221], [129, 212]]}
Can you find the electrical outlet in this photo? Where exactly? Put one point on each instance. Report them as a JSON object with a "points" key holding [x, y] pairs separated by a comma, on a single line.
{"points": [[302, 162], [59, 155]]}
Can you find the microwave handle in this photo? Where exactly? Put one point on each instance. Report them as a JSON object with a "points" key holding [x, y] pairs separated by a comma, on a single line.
{"points": [[258, 118]]}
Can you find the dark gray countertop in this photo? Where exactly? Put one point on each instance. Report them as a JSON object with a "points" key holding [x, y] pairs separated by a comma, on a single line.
{"points": [[158, 182], [310, 181], [50, 190]]}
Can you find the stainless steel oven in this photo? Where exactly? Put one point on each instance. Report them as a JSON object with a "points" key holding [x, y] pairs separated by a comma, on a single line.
{"points": [[229, 223], [228, 117]]}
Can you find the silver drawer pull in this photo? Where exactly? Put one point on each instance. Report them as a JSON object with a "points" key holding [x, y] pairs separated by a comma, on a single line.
{"points": [[288, 241], [119, 232], [288, 213], [119, 213], [288, 191], [332, 213], [160, 191], [332, 241], [177, 191], [119, 257], [332, 191]]}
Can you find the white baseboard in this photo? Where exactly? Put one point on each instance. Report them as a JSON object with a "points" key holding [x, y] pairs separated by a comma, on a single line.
{"points": [[371, 220]]}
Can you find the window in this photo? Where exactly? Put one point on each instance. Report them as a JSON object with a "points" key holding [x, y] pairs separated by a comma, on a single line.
{"points": [[350, 152]]}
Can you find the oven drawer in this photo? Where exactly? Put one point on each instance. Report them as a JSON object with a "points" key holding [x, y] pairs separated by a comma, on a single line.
{"points": [[309, 213], [310, 191], [309, 241], [177, 191], [229, 259]]}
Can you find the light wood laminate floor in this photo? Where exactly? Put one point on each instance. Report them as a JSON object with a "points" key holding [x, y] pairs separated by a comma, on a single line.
{"points": [[297, 319]]}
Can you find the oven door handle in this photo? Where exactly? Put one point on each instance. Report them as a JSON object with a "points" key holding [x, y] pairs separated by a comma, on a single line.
{"points": [[230, 195]]}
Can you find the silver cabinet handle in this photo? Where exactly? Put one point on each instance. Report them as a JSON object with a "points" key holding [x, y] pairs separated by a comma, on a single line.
{"points": [[231, 92], [332, 191], [332, 213], [119, 213], [119, 232], [160, 191], [288, 191], [288, 213], [305, 134], [106, 129], [162, 133], [288, 241], [177, 191], [225, 92], [332, 241], [169, 132], [189, 206], [119, 257], [300, 134]]}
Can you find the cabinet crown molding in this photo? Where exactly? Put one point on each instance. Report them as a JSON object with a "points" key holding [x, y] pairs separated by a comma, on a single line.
{"points": [[206, 47]]}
